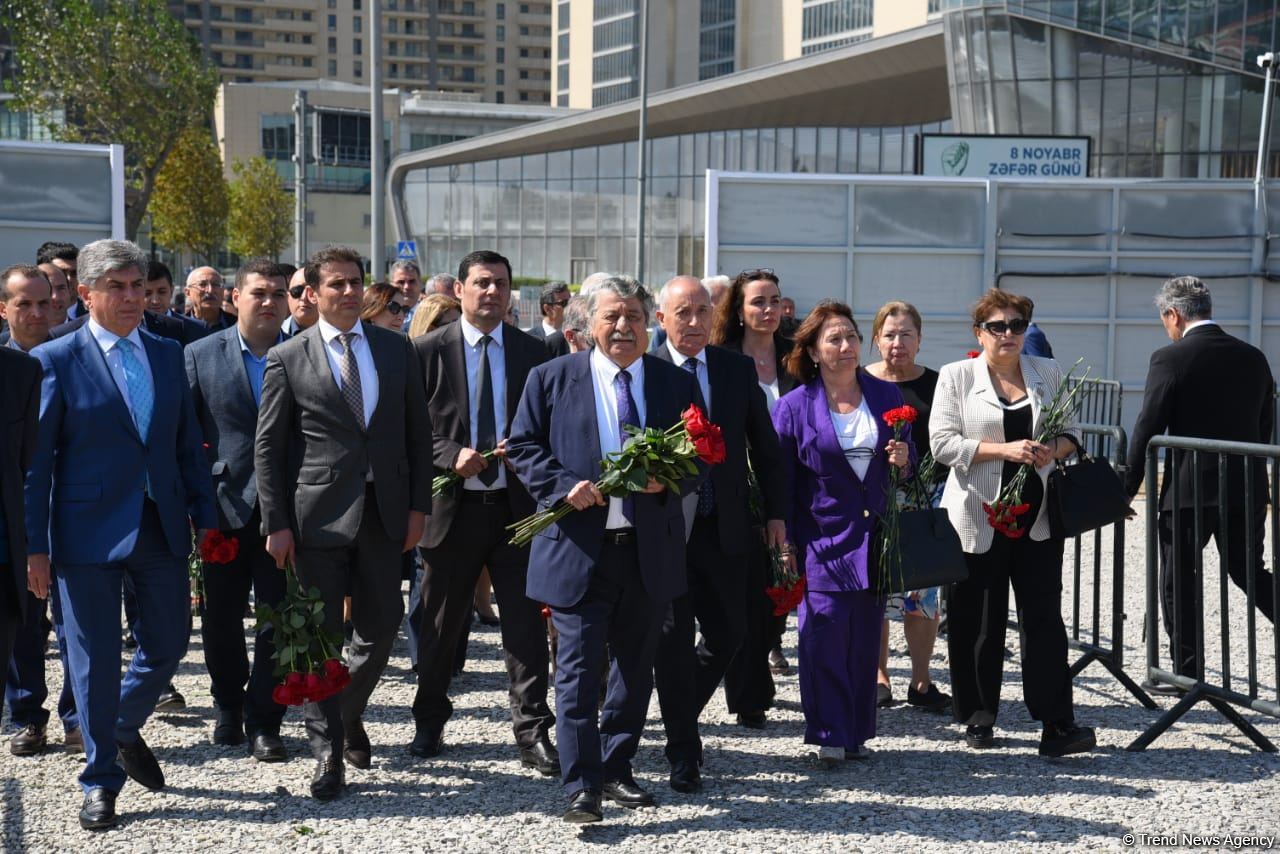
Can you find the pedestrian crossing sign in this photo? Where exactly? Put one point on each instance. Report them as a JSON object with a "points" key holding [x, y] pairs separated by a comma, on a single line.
{"points": [[406, 250]]}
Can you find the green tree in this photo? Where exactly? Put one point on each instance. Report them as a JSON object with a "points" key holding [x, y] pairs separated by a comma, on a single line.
{"points": [[190, 204], [121, 71], [261, 221]]}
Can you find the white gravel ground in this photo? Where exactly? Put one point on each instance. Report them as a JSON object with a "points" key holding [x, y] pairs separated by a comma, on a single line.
{"points": [[921, 790]]}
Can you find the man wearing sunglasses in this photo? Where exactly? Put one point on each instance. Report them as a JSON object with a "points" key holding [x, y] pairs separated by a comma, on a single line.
{"points": [[302, 312], [551, 303]]}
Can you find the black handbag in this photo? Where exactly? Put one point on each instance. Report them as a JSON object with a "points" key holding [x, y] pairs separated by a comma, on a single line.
{"points": [[931, 554], [1084, 496]]}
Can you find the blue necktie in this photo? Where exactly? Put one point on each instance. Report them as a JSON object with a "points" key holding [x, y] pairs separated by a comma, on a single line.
{"points": [[626, 415], [706, 492], [142, 399]]}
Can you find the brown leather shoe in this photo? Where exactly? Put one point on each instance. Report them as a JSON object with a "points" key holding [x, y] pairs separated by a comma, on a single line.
{"points": [[30, 742], [73, 741]]}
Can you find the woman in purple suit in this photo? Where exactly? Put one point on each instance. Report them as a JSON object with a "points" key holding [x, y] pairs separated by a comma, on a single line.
{"points": [[837, 451]]}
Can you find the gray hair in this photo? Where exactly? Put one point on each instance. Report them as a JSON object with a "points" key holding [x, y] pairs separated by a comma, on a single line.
{"points": [[1186, 295], [670, 286], [550, 291], [624, 287], [712, 281], [576, 316], [106, 256], [405, 265], [592, 282], [441, 283]]}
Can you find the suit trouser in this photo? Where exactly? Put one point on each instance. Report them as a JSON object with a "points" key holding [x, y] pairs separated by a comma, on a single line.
{"points": [[413, 620], [478, 538], [226, 594], [748, 684], [1183, 653], [839, 651], [10, 612], [369, 569], [112, 709], [977, 616], [617, 618], [25, 688], [687, 677]]}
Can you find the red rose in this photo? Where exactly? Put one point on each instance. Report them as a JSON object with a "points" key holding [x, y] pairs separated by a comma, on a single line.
{"points": [[710, 446], [313, 685], [333, 667], [218, 548], [281, 695], [695, 421]]}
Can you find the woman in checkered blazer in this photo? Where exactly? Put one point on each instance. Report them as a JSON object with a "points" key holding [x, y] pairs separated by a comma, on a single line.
{"points": [[986, 414]]}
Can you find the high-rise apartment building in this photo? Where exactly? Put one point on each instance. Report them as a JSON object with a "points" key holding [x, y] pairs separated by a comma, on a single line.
{"points": [[500, 51], [597, 45]]}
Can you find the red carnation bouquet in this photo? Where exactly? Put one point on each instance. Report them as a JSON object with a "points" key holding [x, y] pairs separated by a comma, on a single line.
{"points": [[665, 455], [1005, 515], [216, 548], [890, 556], [308, 658], [786, 587]]}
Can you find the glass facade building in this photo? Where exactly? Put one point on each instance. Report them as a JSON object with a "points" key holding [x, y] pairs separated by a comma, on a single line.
{"points": [[565, 214], [1164, 88]]}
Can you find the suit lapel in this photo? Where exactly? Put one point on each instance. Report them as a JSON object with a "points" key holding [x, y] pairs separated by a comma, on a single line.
{"points": [[982, 389], [328, 385], [826, 441], [91, 358], [385, 364], [517, 366], [1036, 389], [235, 366], [453, 361], [582, 394]]}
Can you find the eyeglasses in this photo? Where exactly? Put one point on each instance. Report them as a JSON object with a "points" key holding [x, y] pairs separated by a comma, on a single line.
{"points": [[1000, 327], [296, 291], [396, 308], [204, 286]]}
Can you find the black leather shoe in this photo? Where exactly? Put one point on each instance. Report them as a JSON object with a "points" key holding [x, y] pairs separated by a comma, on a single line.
{"points": [[32, 741], [267, 747], [358, 752], [1066, 739], [141, 765], [426, 744], [933, 700], [751, 720], [627, 794], [685, 776], [541, 757], [328, 780], [584, 808], [229, 730], [979, 737], [490, 620], [170, 700], [98, 812]]}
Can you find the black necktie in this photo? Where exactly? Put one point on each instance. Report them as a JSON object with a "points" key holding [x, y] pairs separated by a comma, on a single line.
{"points": [[706, 492], [486, 421]]}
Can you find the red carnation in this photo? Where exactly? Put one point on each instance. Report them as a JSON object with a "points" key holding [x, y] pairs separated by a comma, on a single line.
{"points": [[973, 354], [900, 415], [546, 612]]}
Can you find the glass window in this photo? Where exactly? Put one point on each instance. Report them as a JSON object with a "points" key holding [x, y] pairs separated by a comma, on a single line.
{"points": [[1142, 110]]}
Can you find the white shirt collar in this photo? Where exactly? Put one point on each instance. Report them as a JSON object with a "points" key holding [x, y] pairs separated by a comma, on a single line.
{"points": [[679, 358], [608, 369], [548, 328], [328, 331], [473, 335], [1193, 324], [107, 339]]}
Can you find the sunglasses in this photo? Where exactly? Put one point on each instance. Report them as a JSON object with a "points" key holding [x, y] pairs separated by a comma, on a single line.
{"points": [[1000, 327], [761, 273], [296, 291], [395, 308]]}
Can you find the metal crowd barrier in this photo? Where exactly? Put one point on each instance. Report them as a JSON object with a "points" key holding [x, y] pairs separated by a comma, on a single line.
{"points": [[1224, 696], [1085, 629], [1099, 404]]}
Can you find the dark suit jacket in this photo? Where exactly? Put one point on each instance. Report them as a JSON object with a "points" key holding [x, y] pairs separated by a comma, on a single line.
{"points": [[555, 443], [311, 456], [192, 329], [556, 344], [20, 393], [86, 483], [1036, 344], [157, 324], [228, 418], [738, 406], [1209, 385], [444, 369]]}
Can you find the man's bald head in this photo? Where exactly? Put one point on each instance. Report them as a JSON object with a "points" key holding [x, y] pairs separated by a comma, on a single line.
{"points": [[685, 313], [205, 294]]}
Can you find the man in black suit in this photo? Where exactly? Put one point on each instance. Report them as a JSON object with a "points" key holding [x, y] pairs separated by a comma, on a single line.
{"points": [[64, 256], [20, 395], [720, 525], [225, 373], [343, 461], [475, 371], [551, 303], [159, 296], [1210, 385], [609, 570]]}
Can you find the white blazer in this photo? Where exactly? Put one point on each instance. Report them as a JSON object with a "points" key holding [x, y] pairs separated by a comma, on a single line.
{"points": [[966, 411]]}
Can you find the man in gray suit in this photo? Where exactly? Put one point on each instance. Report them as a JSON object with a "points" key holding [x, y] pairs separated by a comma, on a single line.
{"points": [[343, 460], [225, 373]]}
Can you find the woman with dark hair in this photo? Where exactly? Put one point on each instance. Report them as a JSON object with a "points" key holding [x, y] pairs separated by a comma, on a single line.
{"points": [[747, 322], [837, 451], [987, 413], [381, 306]]}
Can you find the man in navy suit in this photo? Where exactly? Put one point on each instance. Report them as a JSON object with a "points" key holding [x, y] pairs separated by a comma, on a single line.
{"points": [[609, 570], [113, 492], [225, 374]]}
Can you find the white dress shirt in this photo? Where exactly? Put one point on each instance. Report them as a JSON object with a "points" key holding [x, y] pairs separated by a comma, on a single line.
{"points": [[498, 373], [1193, 324], [704, 377], [109, 344], [364, 363], [857, 429], [603, 372], [547, 329]]}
